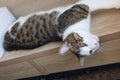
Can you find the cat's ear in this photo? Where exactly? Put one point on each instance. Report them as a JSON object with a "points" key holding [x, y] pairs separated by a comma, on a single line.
{"points": [[64, 48]]}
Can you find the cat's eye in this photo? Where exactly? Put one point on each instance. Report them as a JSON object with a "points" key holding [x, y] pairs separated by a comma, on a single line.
{"points": [[83, 44]]}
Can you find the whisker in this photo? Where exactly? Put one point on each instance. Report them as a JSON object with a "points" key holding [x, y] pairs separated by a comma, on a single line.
{"points": [[100, 50]]}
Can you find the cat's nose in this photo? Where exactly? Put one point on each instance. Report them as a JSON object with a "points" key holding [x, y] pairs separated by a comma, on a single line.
{"points": [[96, 44], [91, 51]]}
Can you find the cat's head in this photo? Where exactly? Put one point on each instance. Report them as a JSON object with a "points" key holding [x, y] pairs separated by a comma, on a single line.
{"points": [[80, 45]]}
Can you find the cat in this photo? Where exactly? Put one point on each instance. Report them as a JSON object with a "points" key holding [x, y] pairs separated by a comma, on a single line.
{"points": [[69, 17], [23, 34], [41, 29]]}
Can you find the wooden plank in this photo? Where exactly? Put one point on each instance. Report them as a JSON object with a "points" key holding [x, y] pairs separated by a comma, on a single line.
{"points": [[39, 67], [109, 37], [12, 57], [105, 22], [16, 56], [18, 70], [55, 63], [101, 28], [107, 54]]}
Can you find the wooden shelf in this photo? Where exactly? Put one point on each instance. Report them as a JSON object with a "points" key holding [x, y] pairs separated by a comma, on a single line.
{"points": [[46, 60], [106, 25]]}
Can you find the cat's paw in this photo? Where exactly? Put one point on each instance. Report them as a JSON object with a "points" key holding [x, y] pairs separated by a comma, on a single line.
{"points": [[64, 48]]}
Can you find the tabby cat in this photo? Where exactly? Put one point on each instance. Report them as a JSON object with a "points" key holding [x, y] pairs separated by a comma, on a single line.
{"points": [[63, 23]]}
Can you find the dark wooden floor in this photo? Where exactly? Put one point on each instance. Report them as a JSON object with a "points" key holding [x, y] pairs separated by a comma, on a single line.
{"points": [[107, 72]]}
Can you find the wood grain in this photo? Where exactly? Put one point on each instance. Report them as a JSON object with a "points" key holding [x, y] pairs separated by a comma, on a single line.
{"points": [[106, 55], [18, 70], [45, 59]]}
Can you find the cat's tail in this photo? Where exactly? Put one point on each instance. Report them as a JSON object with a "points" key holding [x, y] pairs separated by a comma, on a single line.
{"points": [[100, 4]]}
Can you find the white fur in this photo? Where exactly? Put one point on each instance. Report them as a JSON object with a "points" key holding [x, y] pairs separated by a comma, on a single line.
{"points": [[78, 27], [64, 48]]}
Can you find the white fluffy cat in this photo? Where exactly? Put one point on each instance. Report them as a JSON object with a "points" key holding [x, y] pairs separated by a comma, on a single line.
{"points": [[81, 27]]}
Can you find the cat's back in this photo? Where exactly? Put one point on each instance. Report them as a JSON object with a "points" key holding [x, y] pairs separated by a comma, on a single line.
{"points": [[32, 32]]}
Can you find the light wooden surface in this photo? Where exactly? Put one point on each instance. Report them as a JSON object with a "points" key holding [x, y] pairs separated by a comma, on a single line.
{"points": [[45, 59], [24, 7]]}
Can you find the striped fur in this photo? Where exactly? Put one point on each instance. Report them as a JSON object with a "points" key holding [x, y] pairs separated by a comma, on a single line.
{"points": [[36, 31], [71, 16]]}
